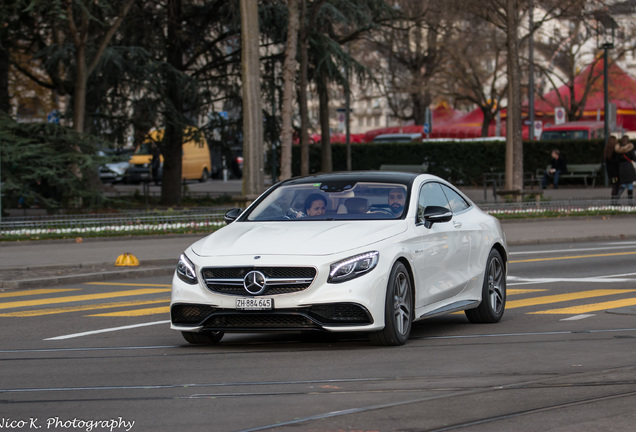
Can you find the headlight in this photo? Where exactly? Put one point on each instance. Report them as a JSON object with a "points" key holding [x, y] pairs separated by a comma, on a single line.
{"points": [[185, 270], [353, 267]]}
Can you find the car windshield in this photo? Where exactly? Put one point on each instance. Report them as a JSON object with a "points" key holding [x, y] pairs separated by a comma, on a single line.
{"points": [[332, 201], [565, 135], [144, 149]]}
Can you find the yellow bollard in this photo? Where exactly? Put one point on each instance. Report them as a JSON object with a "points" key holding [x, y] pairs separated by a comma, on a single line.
{"points": [[127, 259]]}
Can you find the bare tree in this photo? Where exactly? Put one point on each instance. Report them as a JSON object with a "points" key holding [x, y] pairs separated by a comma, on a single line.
{"points": [[476, 76], [79, 20], [411, 50], [568, 46]]}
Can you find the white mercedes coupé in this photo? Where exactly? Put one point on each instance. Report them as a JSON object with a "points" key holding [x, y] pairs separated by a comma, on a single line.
{"points": [[357, 251]]}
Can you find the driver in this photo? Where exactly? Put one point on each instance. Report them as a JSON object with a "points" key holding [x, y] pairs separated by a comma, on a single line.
{"points": [[315, 205], [397, 199]]}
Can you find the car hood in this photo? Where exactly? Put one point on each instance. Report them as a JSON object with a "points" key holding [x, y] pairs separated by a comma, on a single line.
{"points": [[295, 237]]}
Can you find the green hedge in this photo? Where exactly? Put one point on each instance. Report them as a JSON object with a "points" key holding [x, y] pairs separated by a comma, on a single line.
{"points": [[461, 162]]}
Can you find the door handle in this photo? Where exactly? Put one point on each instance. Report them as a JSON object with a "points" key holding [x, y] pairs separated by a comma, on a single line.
{"points": [[457, 224]]}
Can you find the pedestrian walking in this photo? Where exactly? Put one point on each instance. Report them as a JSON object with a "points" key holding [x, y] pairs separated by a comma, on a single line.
{"points": [[626, 171]]}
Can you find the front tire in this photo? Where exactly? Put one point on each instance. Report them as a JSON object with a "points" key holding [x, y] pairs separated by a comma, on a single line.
{"points": [[398, 309], [204, 337], [493, 296]]}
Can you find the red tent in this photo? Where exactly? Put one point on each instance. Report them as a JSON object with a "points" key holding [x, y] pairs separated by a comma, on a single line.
{"points": [[466, 126], [622, 92], [443, 114]]}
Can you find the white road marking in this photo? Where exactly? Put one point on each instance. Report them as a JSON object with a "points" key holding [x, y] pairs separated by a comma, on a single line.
{"points": [[88, 333], [578, 317], [627, 245]]}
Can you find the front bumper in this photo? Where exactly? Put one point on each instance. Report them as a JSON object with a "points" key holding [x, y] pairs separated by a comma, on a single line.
{"points": [[354, 305]]}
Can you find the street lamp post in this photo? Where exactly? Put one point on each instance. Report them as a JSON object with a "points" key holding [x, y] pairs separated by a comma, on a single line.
{"points": [[605, 41]]}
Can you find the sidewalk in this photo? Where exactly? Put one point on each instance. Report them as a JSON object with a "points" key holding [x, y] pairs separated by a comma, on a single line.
{"points": [[55, 262]]}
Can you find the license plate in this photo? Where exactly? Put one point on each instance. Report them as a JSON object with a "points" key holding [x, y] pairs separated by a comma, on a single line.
{"points": [[254, 304]]}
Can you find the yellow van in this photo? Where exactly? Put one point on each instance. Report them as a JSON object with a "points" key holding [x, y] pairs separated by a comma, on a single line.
{"points": [[195, 158]]}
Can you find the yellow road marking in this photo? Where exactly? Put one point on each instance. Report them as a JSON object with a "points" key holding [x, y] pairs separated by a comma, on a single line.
{"points": [[40, 312], [577, 310], [518, 291], [69, 299], [136, 312], [36, 292], [127, 284], [573, 257], [563, 297]]}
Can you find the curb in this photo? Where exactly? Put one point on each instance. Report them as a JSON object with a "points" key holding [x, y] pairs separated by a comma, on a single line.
{"points": [[150, 268]]}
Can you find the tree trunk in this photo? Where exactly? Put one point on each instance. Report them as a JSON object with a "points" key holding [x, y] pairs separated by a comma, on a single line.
{"points": [[421, 101], [289, 81], [514, 143], [253, 172], [325, 133], [171, 147], [81, 78], [5, 101], [302, 92], [488, 117]]}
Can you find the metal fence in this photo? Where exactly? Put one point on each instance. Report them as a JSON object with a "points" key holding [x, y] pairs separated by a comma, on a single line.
{"points": [[201, 220], [563, 207], [60, 226]]}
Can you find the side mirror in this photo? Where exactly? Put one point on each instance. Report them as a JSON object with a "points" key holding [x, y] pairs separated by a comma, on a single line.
{"points": [[231, 215], [436, 214]]}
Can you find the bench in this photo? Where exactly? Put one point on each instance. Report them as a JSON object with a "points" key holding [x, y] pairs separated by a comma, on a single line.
{"points": [[496, 180], [577, 171], [418, 169]]}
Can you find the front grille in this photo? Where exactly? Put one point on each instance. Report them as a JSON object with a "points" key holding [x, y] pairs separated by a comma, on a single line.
{"points": [[279, 280], [259, 321], [314, 317]]}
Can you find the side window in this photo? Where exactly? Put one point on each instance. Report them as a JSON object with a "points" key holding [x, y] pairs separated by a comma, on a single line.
{"points": [[457, 203], [431, 194]]}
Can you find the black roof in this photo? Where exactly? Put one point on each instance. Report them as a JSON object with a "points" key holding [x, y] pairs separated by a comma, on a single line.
{"points": [[357, 176]]}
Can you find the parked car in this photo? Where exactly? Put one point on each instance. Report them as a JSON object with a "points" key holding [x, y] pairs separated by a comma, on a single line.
{"points": [[195, 158], [574, 130], [359, 251], [398, 137], [115, 170]]}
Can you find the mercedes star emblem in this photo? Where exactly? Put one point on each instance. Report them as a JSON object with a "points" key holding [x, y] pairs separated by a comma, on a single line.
{"points": [[254, 282]]}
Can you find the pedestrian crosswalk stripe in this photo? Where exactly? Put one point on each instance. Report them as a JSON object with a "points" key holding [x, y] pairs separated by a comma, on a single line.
{"points": [[535, 301], [40, 312], [36, 292], [595, 307], [511, 304], [68, 299], [136, 312]]}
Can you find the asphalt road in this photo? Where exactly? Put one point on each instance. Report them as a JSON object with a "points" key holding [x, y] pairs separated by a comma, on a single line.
{"points": [[562, 359]]}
